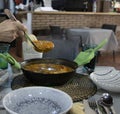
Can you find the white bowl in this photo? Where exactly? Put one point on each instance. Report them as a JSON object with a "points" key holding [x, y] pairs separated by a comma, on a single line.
{"points": [[37, 100], [113, 87], [109, 79], [102, 70], [110, 87]]}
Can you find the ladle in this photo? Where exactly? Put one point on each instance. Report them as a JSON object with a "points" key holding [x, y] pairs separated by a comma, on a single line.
{"points": [[107, 101], [40, 46]]}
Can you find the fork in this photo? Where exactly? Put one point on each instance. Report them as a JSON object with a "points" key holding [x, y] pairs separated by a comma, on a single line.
{"points": [[93, 105]]}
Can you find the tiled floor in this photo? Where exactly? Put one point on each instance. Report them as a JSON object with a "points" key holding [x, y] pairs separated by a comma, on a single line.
{"points": [[107, 60]]}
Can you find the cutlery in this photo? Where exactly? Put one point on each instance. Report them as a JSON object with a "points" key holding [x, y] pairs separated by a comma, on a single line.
{"points": [[1, 105], [102, 107], [107, 101], [93, 105]]}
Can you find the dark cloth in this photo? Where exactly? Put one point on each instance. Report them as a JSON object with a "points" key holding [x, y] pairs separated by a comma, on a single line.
{"points": [[72, 5], [24, 2], [110, 27], [66, 49], [40, 2]]}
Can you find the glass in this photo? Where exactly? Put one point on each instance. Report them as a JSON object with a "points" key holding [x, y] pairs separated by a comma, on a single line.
{"points": [[89, 67]]}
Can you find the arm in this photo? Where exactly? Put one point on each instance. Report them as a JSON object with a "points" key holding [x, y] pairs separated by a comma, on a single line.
{"points": [[10, 30]]}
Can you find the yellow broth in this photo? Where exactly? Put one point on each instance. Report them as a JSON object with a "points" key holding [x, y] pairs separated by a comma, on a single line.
{"points": [[48, 68], [43, 46]]}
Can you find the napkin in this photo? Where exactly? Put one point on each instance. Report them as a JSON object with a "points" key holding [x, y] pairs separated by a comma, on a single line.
{"points": [[81, 108], [77, 108], [87, 108]]}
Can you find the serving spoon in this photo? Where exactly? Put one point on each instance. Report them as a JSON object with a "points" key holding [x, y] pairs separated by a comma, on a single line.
{"points": [[39, 45]]}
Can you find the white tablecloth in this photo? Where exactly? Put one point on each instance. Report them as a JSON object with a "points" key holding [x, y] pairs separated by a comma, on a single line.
{"points": [[94, 36]]}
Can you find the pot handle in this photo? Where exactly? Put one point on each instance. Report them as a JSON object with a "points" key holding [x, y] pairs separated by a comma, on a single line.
{"points": [[3, 56], [12, 61]]}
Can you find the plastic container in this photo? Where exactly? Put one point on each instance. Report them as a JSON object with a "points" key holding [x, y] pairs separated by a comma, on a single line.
{"points": [[4, 47]]}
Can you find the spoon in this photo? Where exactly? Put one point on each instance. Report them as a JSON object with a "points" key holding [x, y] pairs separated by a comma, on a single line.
{"points": [[40, 46], [101, 107], [107, 101]]}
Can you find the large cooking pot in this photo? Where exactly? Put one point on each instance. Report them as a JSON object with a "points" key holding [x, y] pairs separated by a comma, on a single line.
{"points": [[49, 79]]}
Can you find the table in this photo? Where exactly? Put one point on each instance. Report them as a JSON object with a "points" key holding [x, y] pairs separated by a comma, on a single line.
{"points": [[94, 36], [116, 96]]}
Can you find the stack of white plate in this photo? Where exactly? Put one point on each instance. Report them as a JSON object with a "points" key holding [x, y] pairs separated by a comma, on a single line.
{"points": [[3, 76], [107, 78]]}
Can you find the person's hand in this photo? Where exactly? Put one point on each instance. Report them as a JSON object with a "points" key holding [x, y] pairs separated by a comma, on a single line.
{"points": [[10, 30]]}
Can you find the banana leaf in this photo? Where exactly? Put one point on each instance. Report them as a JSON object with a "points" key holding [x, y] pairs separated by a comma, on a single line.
{"points": [[86, 56]]}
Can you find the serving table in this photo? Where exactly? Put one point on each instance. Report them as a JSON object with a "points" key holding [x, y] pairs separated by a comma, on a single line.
{"points": [[83, 88], [94, 36]]}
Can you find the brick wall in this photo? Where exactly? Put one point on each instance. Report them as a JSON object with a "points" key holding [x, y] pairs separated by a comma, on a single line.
{"points": [[42, 20], [65, 20]]}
